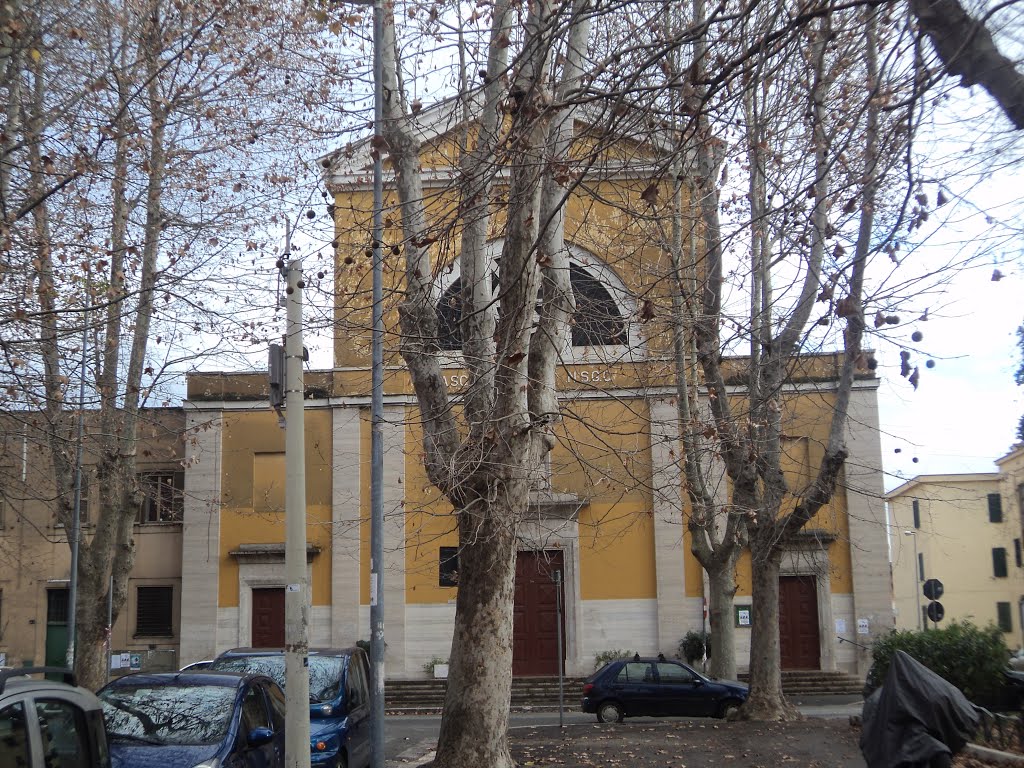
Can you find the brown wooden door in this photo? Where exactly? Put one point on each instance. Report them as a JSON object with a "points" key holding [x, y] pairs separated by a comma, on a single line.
{"points": [[535, 631], [798, 622], [268, 618]]}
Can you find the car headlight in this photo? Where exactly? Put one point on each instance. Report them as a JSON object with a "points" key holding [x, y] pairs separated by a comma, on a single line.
{"points": [[213, 762], [326, 710]]}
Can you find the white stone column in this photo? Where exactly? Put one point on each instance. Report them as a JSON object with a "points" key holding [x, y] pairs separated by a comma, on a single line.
{"points": [[346, 462], [869, 552], [394, 541], [669, 552], [200, 551]]}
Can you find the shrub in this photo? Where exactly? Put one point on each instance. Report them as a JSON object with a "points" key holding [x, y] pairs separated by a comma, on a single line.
{"points": [[605, 656], [970, 658], [692, 647]]}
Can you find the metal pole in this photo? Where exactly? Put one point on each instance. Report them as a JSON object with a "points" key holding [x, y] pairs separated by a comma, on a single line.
{"points": [[76, 515], [377, 409], [917, 580], [296, 747], [561, 659], [110, 622]]}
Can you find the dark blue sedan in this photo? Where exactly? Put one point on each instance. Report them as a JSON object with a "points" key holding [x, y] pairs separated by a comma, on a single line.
{"points": [[657, 687], [194, 720]]}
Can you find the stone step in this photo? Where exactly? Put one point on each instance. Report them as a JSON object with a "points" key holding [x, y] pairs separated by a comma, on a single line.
{"points": [[538, 693]]}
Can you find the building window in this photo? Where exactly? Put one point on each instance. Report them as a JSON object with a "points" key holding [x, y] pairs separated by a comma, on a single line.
{"points": [[917, 513], [448, 572], [1017, 553], [920, 567], [1004, 617], [56, 606], [999, 562], [596, 322], [995, 508], [154, 612], [163, 497]]}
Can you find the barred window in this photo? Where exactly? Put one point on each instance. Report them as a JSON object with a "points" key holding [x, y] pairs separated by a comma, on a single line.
{"points": [[56, 606], [154, 612], [164, 498], [448, 571]]}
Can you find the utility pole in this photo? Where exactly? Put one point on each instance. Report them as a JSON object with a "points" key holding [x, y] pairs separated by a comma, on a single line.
{"points": [[296, 619], [377, 408], [75, 534]]}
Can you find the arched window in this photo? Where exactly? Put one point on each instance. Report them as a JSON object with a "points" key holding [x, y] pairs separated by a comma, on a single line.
{"points": [[596, 322]]}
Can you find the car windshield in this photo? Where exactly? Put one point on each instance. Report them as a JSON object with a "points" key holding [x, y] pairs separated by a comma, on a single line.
{"points": [[324, 672], [168, 714]]}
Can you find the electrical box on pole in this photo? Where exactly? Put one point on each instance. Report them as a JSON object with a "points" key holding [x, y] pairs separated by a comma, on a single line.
{"points": [[276, 370]]}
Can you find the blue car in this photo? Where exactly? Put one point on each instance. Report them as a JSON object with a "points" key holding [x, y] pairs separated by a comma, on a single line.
{"points": [[339, 699], [194, 720], [657, 687]]}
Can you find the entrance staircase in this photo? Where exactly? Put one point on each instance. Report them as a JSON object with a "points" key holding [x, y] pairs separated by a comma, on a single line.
{"points": [[797, 683], [541, 693]]}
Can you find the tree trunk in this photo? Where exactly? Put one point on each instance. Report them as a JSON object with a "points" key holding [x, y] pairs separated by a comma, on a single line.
{"points": [[474, 729], [722, 588], [766, 701]]}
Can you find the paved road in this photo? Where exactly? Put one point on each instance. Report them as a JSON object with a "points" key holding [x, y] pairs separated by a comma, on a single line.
{"points": [[408, 738]]}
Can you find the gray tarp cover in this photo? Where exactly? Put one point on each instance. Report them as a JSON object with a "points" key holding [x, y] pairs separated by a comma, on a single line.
{"points": [[913, 717]]}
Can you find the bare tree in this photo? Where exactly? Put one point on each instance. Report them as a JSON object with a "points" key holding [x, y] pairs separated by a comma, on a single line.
{"points": [[128, 170]]}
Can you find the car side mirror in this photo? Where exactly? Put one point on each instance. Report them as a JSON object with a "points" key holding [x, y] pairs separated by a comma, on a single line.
{"points": [[260, 736]]}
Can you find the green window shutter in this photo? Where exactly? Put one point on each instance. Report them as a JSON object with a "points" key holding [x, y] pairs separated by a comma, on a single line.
{"points": [[999, 562], [995, 508], [1004, 617]]}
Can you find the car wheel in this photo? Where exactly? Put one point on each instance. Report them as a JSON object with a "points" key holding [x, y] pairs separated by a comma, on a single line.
{"points": [[342, 761], [728, 709], [610, 712]]}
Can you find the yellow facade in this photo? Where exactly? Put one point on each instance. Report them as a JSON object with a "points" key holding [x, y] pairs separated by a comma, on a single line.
{"points": [[960, 530], [611, 507]]}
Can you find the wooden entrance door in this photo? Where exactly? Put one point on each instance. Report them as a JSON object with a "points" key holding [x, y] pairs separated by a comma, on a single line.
{"points": [[535, 631], [268, 618], [800, 644]]}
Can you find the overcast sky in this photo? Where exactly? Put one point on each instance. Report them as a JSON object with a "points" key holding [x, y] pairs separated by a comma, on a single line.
{"points": [[965, 411]]}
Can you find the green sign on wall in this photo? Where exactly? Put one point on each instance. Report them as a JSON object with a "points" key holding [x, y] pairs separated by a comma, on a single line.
{"points": [[742, 615]]}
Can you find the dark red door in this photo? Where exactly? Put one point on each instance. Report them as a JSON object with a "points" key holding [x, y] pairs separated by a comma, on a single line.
{"points": [[268, 618], [535, 632], [799, 641]]}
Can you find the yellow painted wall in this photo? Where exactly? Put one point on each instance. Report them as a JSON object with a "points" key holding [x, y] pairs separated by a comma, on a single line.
{"points": [[252, 483], [603, 455]]}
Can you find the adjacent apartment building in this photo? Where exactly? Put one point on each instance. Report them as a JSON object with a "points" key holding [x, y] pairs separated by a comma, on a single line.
{"points": [[35, 559], [965, 531]]}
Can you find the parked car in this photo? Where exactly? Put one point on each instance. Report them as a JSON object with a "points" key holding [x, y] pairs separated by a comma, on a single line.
{"points": [[657, 687], [45, 723], [339, 698], [194, 720]]}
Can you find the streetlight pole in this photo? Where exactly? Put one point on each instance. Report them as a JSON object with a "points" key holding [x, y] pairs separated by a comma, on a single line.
{"points": [[917, 578]]}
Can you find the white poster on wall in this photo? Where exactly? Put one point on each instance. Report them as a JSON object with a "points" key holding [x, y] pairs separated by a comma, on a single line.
{"points": [[862, 627], [840, 626]]}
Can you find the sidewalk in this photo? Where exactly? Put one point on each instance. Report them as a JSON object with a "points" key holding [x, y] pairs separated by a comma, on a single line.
{"points": [[811, 743]]}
